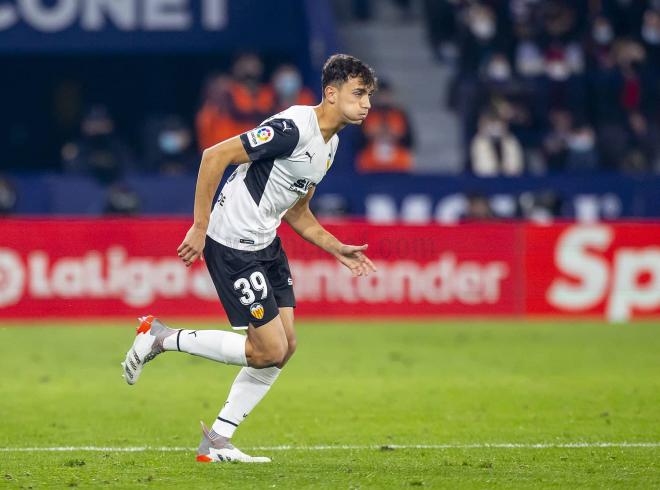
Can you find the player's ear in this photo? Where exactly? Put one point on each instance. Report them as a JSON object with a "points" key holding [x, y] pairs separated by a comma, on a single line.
{"points": [[330, 94]]}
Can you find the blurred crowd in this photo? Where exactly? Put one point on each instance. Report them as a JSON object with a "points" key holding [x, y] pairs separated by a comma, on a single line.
{"points": [[231, 103], [546, 86]]}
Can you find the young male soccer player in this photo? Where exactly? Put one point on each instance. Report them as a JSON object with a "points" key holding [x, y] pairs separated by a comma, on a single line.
{"points": [[279, 165]]}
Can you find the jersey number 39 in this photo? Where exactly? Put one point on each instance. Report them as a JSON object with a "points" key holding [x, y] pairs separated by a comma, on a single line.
{"points": [[258, 283]]}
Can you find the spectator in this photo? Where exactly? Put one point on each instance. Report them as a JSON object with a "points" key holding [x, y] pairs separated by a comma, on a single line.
{"points": [[478, 38], [214, 122], [8, 197], [581, 153], [99, 152], [555, 143], [650, 36], [250, 101], [478, 208], [643, 145], [387, 136], [122, 201], [289, 90], [494, 150], [170, 147], [534, 54], [540, 207]]}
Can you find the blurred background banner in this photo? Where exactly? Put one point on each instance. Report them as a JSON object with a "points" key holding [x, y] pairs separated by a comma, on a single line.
{"points": [[134, 26], [120, 267]]}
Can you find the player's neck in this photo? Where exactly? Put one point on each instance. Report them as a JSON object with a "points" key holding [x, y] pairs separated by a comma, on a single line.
{"points": [[330, 123]]}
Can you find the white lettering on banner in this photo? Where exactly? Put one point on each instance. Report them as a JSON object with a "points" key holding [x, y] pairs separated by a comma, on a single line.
{"points": [[48, 19], [573, 259], [138, 281], [166, 15], [215, 15], [123, 14], [444, 281], [620, 285], [627, 293], [8, 16], [126, 15], [12, 277]]}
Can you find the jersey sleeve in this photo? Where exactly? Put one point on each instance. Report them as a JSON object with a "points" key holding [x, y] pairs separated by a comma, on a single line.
{"points": [[276, 138]]}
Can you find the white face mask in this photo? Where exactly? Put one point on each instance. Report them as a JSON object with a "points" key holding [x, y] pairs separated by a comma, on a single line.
{"points": [[528, 60], [384, 150], [557, 70], [483, 29], [651, 35], [581, 142], [499, 71], [602, 34]]}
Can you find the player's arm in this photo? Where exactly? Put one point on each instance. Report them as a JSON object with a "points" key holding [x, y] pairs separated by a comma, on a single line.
{"points": [[303, 221], [215, 161]]}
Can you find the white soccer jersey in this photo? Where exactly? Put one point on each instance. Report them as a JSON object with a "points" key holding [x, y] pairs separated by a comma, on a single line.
{"points": [[288, 156]]}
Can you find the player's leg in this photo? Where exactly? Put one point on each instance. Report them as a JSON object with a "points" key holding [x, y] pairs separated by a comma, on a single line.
{"points": [[253, 382], [154, 337], [286, 314], [263, 347], [247, 298]]}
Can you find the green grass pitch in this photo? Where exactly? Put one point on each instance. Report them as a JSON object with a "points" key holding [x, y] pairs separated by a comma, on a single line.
{"points": [[371, 387]]}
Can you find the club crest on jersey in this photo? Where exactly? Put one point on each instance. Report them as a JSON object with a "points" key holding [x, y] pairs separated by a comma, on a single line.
{"points": [[257, 310], [260, 136]]}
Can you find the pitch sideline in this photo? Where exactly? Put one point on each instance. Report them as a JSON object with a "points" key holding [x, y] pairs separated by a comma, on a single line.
{"points": [[135, 449]]}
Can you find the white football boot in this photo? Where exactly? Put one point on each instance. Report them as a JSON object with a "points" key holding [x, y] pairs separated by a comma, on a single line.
{"points": [[214, 451], [148, 344]]}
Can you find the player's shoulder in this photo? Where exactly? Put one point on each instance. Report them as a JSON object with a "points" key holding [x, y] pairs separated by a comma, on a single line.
{"points": [[300, 118], [301, 115]]}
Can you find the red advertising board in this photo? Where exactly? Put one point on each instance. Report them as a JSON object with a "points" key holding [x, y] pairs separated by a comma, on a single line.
{"points": [[98, 268], [605, 270]]}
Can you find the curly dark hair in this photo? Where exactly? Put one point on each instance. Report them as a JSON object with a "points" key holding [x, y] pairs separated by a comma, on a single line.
{"points": [[340, 67]]}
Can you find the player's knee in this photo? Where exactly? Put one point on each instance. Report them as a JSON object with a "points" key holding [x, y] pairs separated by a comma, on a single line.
{"points": [[271, 355]]}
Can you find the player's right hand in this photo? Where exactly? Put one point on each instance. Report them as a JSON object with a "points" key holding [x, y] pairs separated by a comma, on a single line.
{"points": [[192, 247]]}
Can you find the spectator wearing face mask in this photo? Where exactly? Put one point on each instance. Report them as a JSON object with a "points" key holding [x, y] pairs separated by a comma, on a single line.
{"points": [[99, 152], [494, 150], [650, 36], [581, 156], [250, 100], [479, 38], [289, 90], [562, 86], [387, 136], [555, 142], [171, 150], [642, 153]]}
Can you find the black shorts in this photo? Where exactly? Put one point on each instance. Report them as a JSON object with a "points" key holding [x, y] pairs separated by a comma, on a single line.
{"points": [[252, 286]]}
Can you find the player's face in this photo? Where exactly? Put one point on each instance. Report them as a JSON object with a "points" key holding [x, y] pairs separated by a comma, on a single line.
{"points": [[353, 99]]}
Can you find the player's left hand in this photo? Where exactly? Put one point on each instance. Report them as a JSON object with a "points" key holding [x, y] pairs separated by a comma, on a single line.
{"points": [[192, 247], [353, 258]]}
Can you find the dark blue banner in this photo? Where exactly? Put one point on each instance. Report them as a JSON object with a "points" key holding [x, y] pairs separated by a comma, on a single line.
{"points": [[37, 26]]}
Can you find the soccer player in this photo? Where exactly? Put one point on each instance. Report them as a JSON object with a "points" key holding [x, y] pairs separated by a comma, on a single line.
{"points": [[279, 165]]}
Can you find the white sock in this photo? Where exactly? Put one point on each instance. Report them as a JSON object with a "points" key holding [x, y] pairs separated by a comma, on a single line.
{"points": [[249, 387], [217, 345]]}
